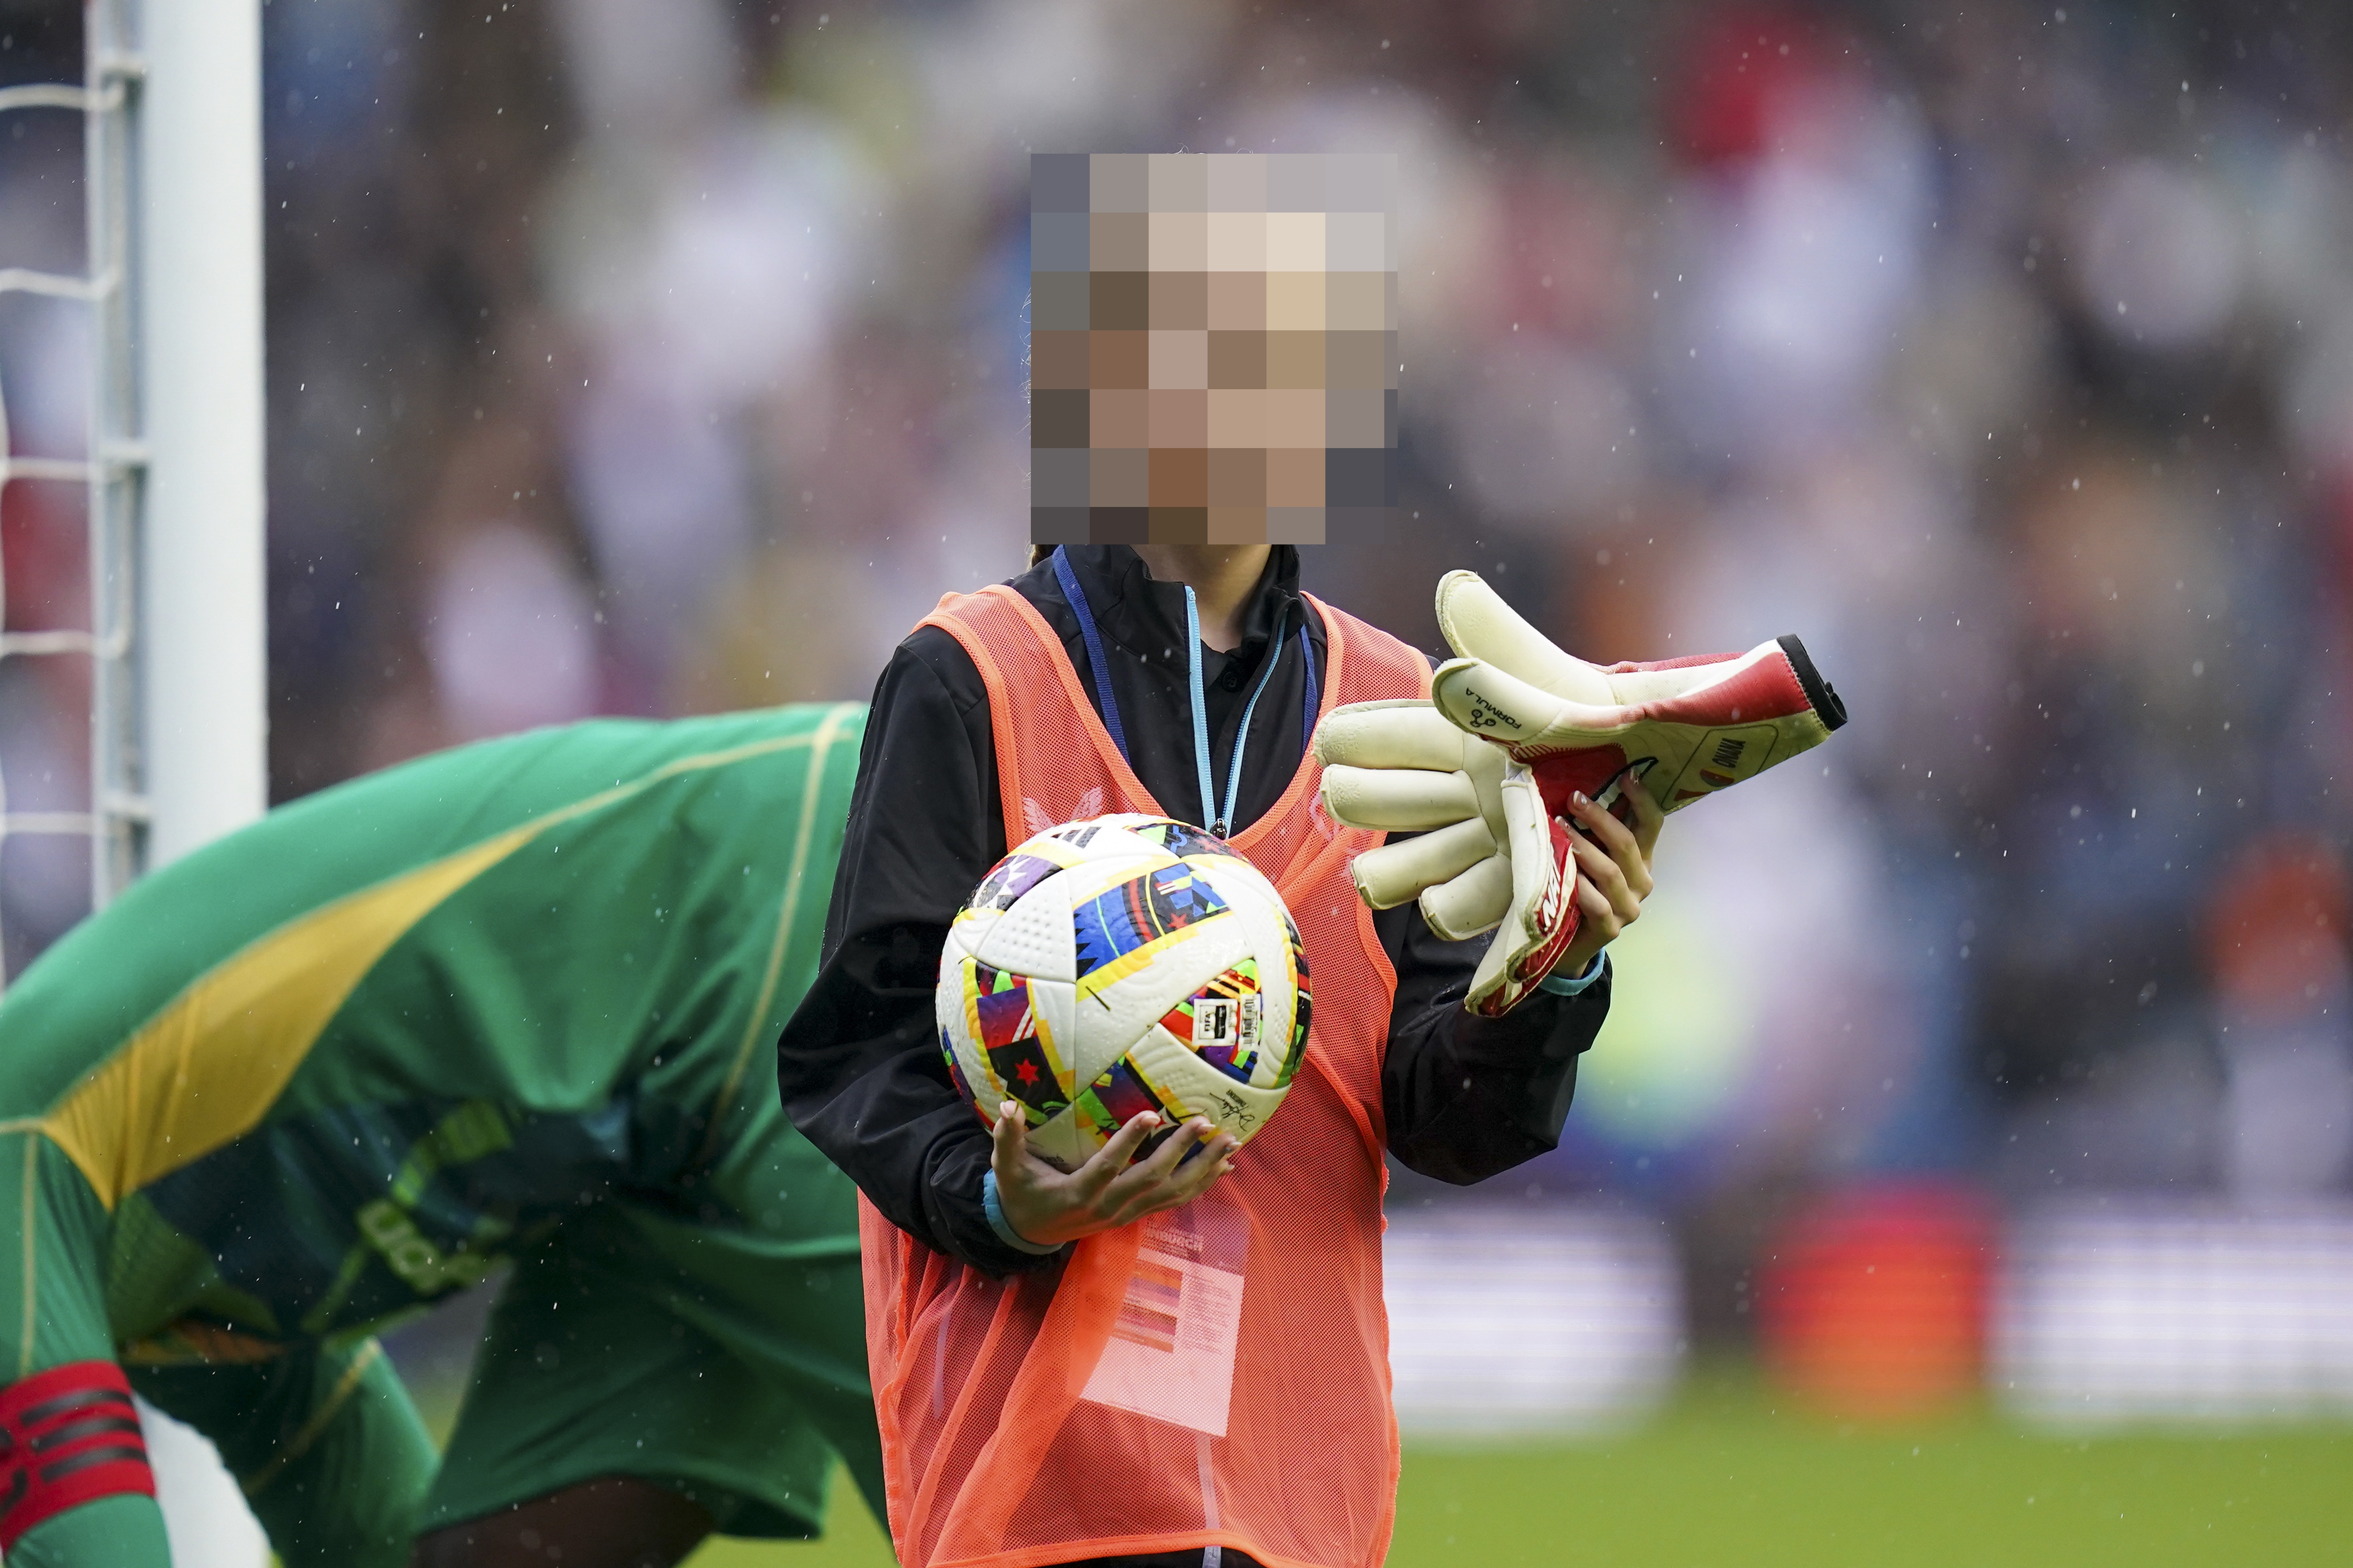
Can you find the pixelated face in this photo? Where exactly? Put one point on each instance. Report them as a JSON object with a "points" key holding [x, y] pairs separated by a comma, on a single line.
{"points": [[1213, 346]]}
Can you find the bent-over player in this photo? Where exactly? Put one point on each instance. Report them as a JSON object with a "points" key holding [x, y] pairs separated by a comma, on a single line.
{"points": [[509, 1001]]}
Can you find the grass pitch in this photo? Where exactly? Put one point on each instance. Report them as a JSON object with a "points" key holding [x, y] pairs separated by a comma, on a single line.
{"points": [[1729, 1475]]}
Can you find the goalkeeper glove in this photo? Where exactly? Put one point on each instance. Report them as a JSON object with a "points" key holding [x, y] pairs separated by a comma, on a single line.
{"points": [[1685, 727], [1489, 854]]}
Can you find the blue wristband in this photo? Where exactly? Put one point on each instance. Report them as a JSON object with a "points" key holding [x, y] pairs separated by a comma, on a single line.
{"points": [[1002, 1226], [1593, 971]]}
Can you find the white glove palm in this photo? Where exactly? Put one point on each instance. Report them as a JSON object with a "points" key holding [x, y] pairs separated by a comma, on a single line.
{"points": [[1488, 856], [1404, 767]]}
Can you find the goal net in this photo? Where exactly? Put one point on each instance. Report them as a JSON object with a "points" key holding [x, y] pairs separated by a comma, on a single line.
{"points": [[164, 653]]}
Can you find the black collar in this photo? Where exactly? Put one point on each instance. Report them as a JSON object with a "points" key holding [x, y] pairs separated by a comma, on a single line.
{"points": [[1146, 617]]}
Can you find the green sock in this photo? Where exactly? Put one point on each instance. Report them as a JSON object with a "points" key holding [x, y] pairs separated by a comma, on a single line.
{"points": [[125, 1530]]}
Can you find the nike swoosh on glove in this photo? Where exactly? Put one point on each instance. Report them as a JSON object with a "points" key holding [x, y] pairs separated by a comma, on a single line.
{"points": [[1489, 854], [1686, 727]]}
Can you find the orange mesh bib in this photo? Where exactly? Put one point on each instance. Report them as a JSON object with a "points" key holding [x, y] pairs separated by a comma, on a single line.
{"points": [[1013, 1412]]}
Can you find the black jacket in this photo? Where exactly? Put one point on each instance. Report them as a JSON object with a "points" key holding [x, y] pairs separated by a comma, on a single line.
{"points": [[859, 1065]]}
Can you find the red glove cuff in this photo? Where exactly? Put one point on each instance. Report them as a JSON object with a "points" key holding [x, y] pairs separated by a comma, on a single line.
{"points": [[1560, 917], [67, 1436]]}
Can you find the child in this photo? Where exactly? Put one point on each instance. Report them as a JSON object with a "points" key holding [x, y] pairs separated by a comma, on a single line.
{"points": [[1184, 681]]}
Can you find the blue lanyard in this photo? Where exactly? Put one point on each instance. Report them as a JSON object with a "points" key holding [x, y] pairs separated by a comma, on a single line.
{"points": [[1313, 708], [1098, 665], [1099, 670], [1221, 822]]}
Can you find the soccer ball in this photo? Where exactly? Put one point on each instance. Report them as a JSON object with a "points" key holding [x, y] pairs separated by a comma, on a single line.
{"points": [[1121, 964]]}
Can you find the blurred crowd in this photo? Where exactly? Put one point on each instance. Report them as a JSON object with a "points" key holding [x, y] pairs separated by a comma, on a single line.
{"points": [[652, 356]]}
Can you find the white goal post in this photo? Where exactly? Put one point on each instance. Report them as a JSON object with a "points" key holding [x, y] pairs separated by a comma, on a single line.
{"points": [[176, 212], [172, 107]]}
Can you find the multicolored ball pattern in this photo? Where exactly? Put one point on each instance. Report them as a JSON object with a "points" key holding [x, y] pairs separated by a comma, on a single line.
{"points": [[1121, 964]]}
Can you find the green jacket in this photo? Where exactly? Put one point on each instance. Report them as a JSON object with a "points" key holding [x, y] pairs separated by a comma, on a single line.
{"points": [[329, 1067]]}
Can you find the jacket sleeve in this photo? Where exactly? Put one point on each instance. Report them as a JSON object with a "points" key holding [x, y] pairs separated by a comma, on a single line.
{"points": [[858, 1063], [1467, 1098]]}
